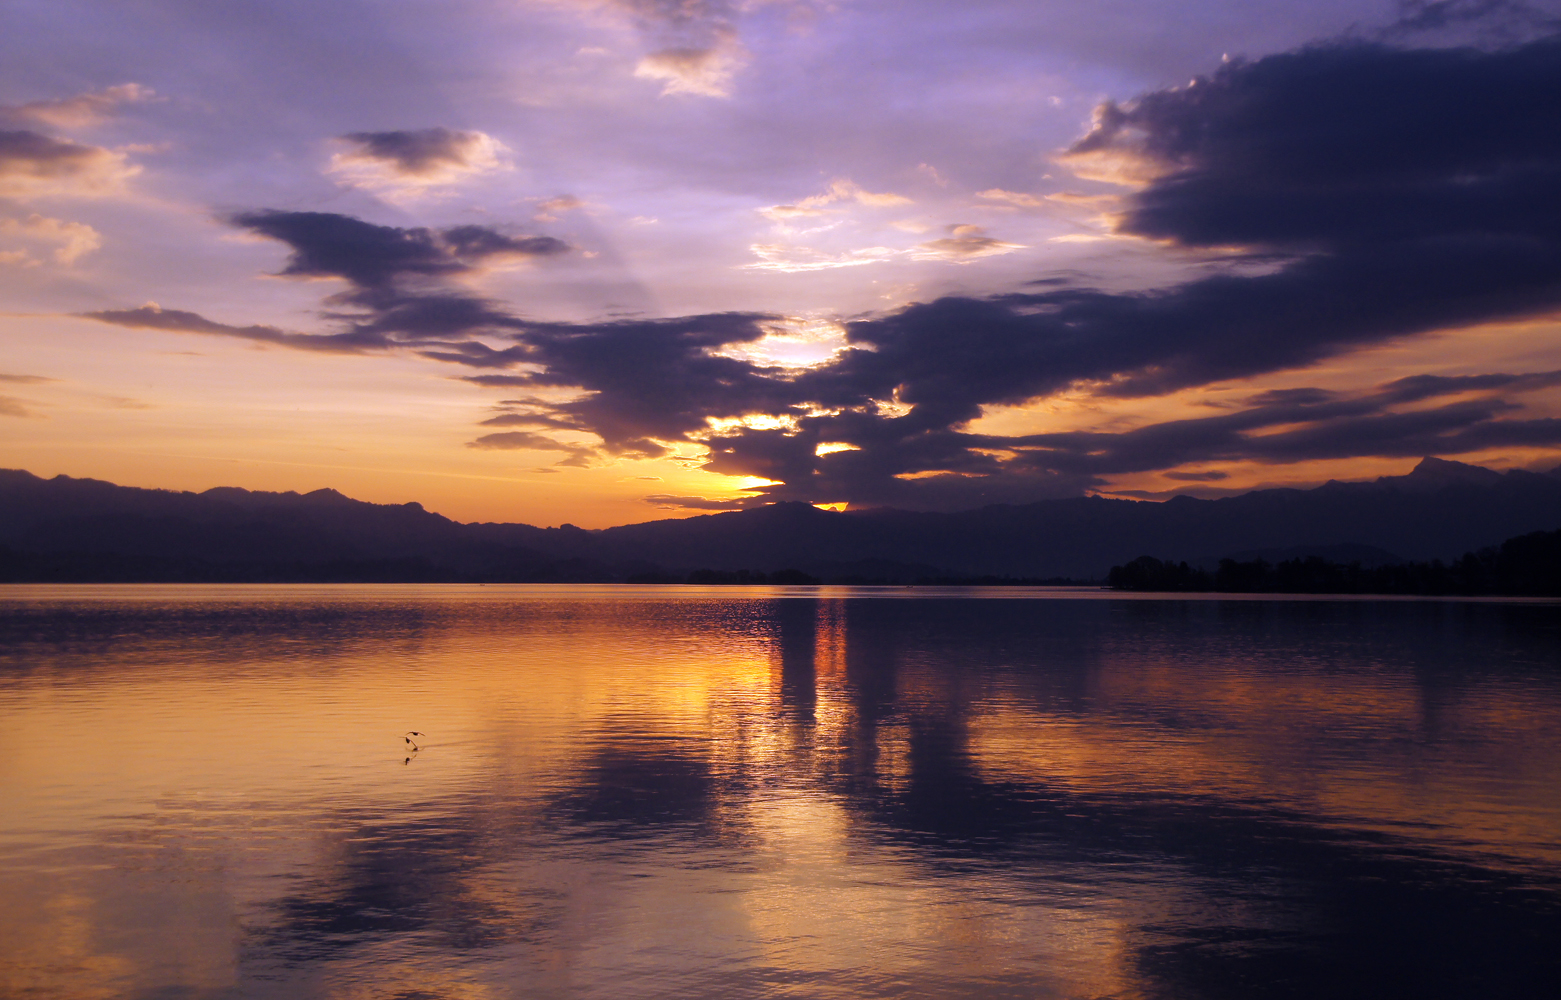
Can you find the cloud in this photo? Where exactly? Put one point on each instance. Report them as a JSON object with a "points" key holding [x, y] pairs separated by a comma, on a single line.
{"points": [[643, 382], [670, 502], [374, 257], [1308, 424], [70, 240], [838, 191], [704, 71], [398, 292], [1398, 191], [1409, 190], [79, 111], [497, 381], [36, 166], [552, 208], [407, 164], [790, 260], [966, 243], [13, 407], [398, 279], [519, 440], [579, 457], [529, 412], [1489, 22], [154, 317], [695, 44], [1385, 192], [26, 379], [1336, 146], [1015, 198]]}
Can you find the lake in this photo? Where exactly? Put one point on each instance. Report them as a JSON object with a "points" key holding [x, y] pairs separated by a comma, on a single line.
{"points": [[629, 792]]}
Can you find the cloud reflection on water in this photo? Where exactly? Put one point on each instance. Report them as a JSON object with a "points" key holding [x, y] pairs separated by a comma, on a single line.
{"points": [[736, 794]]}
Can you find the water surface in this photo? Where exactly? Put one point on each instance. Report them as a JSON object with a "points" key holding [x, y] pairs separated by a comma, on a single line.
{"points": [[774, 792]]}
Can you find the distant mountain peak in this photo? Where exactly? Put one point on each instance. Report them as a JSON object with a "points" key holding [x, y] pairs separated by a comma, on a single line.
{"points": [[1444, 467], [1435, 473]]}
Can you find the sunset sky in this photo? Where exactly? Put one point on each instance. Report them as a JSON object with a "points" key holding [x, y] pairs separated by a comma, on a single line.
{"points": [[604, 261]]}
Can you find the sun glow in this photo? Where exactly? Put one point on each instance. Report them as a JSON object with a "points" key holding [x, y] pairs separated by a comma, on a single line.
{"points": [[794, 343]]}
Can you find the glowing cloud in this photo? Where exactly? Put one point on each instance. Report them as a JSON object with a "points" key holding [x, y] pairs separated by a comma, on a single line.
{"points": [[839, 191], [552, 208], [964, 243], [1017, 199], [706, 72], [70, 239], [791, 260], [37, 166], [80, 111]]}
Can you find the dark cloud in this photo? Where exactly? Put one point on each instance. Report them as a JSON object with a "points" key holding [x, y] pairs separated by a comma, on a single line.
{"points": [[955, 355], [1501, 22], [422, 152], [398, 294], [497, 381], [377, 257], [1339, 147], [650, 380], [26, 379], [1315, 425], [154, 317], [1417, 387], [477, 243], [1386, 192]]}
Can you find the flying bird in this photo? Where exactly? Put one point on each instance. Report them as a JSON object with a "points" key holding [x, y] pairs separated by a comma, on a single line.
{"points": [[410, 740]]}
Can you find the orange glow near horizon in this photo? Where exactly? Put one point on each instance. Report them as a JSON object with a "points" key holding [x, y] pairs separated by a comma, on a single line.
{"points": [[197, 414]]}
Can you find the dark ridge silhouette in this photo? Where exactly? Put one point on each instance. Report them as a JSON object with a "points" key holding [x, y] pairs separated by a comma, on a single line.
{"points": [[1528, 565], [84, 530]]}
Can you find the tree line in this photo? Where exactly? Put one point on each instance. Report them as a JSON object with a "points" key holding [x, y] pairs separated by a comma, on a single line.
{"points": [[1528, 565]]}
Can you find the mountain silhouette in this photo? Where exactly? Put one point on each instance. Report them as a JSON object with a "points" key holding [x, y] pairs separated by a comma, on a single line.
{"points": [[85, 529]]}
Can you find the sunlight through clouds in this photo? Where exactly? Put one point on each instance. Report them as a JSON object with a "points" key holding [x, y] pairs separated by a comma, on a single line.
{"points": [[648, 215], [792, 260]]}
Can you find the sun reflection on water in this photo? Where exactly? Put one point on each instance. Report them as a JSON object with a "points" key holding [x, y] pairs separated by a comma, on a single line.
{"points": [[764, 791]]}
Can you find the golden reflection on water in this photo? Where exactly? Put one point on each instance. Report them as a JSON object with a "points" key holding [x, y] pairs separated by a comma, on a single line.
{"points": [[689, 792]]}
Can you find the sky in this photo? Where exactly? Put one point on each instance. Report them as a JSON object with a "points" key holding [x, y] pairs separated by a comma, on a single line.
{"points": [[607, 261]]}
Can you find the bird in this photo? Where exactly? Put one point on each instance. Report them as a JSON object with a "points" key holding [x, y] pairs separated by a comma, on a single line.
{"points": [[410, 740]]}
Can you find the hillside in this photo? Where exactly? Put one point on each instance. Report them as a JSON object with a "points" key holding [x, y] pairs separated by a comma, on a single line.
{"points": [[83, 529]]}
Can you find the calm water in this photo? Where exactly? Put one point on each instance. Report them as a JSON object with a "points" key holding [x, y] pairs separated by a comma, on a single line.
{"points": [[677, 792]]}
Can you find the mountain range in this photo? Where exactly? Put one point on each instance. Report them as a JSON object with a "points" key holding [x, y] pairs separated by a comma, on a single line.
{"points": [[84, 529]]}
